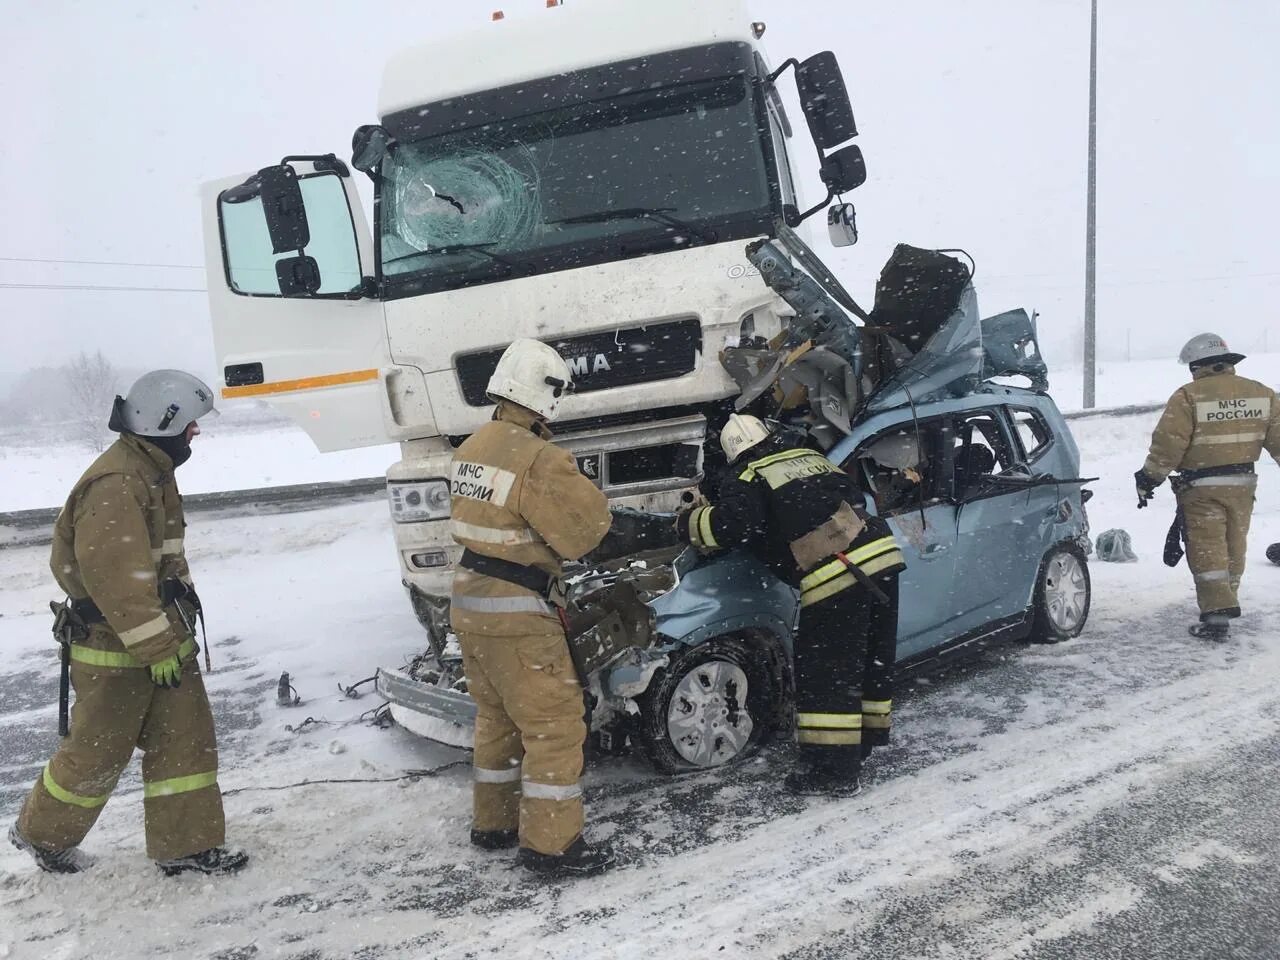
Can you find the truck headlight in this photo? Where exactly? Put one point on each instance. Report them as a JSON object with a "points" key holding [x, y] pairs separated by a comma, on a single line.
{"points": [[418, 500]]}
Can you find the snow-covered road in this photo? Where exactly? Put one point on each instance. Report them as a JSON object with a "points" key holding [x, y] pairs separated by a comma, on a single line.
{"points": [[1113, 796]]}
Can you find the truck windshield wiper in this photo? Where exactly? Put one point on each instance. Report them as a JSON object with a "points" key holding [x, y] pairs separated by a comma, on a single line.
{"points": [[480, 248], [657, 214]]}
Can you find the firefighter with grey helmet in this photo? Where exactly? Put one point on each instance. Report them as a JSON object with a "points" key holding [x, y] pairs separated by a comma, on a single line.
{"points": [[1211, 433], [803, 516], [520, 508], [119, 553]]}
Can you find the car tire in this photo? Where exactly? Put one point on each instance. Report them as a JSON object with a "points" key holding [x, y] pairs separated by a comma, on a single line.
{"points": [[1063, 595], [694, 716]]}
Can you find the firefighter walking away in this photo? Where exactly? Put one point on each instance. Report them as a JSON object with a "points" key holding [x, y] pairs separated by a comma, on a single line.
{"points": [[520, 507], [803, 516], [118, 552], [1212, 432]]}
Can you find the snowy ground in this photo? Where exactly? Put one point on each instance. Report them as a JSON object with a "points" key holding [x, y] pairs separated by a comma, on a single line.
{"points": [[1113, 796]]}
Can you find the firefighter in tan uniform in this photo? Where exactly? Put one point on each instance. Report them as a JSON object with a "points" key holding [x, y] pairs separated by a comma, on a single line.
{"points": [[520, 507], [1212, 432], [118, 553]]}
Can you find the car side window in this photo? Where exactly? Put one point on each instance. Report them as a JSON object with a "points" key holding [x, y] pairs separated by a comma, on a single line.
{"points": [[1033, 433], [889, 479], [981, 449]]}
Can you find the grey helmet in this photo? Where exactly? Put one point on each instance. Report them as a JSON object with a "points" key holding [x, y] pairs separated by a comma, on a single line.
{"points": [[897, 451], [161, 404], [1207, 348]]}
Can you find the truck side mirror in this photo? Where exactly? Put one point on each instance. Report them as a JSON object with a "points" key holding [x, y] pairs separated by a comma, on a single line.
{"points": [[825, 100], [844, 170], [842, 225], [298, 276], [283, 207], [369, 144]]}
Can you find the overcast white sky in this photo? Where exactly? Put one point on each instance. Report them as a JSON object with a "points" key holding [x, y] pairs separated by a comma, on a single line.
{"points": [[972, 119]]}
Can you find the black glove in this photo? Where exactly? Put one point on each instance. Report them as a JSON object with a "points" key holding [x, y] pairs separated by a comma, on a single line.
{"points": [[682, 523], [1146, 486]]}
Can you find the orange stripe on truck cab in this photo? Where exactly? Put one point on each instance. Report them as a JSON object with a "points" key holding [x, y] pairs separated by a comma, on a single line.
{"points": [[306, 383]]}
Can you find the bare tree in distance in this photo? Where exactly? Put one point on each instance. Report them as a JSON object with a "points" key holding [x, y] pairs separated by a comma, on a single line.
{"points": [[92, 385]]}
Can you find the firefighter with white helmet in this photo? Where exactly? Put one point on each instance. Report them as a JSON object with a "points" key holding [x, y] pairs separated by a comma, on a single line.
{"points": [[521, 507], [804, 517], [1212, 432], [118, 552]]}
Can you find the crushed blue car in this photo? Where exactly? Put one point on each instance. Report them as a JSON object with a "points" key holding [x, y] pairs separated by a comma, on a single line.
{"points": [[687, 656]]}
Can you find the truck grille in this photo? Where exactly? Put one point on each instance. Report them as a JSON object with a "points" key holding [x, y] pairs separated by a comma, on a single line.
{"points": [[601, 361]]}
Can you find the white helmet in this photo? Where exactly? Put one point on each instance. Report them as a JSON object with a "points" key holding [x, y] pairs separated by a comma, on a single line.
{"points": [[897, 451], [533, 375], [161, 404], [1207, 348], [741, 433]]}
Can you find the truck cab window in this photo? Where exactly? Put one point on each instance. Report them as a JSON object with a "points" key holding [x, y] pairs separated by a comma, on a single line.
{"points": [[246, 245], [585, 183]]}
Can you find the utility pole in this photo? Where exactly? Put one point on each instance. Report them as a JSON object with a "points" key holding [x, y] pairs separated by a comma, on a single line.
{"points": [[1091, 224]]}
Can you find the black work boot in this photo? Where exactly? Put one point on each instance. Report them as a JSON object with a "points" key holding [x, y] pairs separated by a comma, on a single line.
{"points": [[495, 839], [216, 861], [824, 781], [1212, 626], [71, 860], [579, 860]]}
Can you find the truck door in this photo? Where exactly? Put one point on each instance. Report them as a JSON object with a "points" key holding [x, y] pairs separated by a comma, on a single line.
{"points": [[289, 260]]}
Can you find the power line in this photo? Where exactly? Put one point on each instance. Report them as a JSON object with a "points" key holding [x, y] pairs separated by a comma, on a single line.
{"points": [[104, 263], [99, 288]]}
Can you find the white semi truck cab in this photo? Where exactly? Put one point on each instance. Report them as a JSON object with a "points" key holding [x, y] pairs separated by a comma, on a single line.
{"points": [[589, 176]]}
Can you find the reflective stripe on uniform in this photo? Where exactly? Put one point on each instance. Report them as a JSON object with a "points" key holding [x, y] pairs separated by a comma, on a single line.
{"points": [[74, 799], [550, 791], [176, 785], [700, 524], [1238, 480], [156, 554], [500, 604], [847, 580], [139, 634], [1230, 438], [1209, 576], [829, 738], [470, 531], [876, 714], [827, 571], [509, 775], [841, 721], [110, 658], [172, 547]]}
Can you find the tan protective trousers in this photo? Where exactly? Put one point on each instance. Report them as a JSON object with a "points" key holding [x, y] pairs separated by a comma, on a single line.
{"points": [[115, 711], [529, 736], [1217, 518]]}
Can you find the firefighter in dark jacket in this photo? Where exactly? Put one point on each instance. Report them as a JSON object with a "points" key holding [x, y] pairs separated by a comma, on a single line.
{"points": [[119, 553], [803, 516], [1212, 431]]}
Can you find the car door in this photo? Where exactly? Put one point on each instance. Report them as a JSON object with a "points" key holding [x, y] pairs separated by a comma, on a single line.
{"points": [[295, 322], [1001, 517], [925, 527]]}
